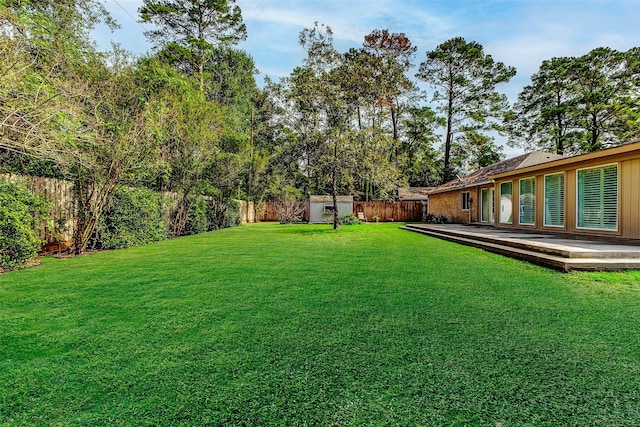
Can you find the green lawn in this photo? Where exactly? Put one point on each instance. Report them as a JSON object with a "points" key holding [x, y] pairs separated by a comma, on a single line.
{"points": [[269, 324]]}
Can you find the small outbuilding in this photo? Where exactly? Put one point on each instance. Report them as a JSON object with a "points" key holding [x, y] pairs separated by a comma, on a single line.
{"points": [[321, 208]]}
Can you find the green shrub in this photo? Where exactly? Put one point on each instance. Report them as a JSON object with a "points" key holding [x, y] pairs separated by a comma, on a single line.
{"points": [[197, 220], [232, 217], [22, 213], [135, 216], [436, 219], [223, 213], [211, 213], [348, 219]]}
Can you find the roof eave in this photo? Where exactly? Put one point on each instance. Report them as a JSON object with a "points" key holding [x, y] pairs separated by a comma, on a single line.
{"points": [[614, 151], [461, 187]]}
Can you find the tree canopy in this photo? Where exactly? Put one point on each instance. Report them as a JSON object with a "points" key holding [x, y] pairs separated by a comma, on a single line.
{"points": [[193, 28], [579, 104], [464, 79]]}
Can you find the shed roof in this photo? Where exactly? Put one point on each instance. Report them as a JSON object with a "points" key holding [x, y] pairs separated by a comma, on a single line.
{"points": [[328, 199], [481, 176], [414, 193]]}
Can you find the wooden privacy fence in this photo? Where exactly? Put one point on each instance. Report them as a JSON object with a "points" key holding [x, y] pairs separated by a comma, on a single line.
{"points": [[385, 211], [59, 194], [247, 212], [270, 212], [390, 211]]}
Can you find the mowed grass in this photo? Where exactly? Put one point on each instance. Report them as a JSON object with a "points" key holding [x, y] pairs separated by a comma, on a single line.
{"points": [[299, 325]]}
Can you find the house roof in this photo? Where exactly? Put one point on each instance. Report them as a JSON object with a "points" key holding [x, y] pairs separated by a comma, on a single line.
{"points": [[601, 156], [414, 193], [481, 176]]}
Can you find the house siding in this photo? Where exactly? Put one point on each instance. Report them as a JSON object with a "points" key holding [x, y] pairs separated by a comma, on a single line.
{"points": [[445, 200], [629, 204], [627, 158]]}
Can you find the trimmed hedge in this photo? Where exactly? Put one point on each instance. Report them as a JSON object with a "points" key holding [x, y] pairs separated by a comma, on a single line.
{"points": [[348, 219], [223, 213], [22, 213]]}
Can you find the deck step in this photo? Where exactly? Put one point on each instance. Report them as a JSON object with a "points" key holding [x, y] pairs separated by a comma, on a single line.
{"points": [[545, 255], [530, 242]]}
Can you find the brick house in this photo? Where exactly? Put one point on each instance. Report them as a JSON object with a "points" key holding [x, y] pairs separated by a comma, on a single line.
{"points": [[471, 198], [596, 194]]}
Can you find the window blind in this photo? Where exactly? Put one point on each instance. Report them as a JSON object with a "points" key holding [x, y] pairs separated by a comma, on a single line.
{"points": [[598, 198], [485, 205], [554, 200], [527, 201], [465, 201]]}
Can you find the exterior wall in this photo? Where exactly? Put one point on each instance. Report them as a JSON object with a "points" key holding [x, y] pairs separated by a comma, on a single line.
{"points": [[317, 203], [628, 193], [449, 203], [629, 202]]}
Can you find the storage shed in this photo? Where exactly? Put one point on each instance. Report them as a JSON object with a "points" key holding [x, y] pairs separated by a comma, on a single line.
{"points": [[321, 208]]}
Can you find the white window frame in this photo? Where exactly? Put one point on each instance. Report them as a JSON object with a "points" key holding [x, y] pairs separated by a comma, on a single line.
{"points": [[613, 230], [482, 218], [564, 200], [465, 201], [520, 200], [328, 208]]}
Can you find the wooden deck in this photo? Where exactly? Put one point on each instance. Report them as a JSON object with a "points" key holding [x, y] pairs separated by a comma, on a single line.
{"points": [[563, 253]]}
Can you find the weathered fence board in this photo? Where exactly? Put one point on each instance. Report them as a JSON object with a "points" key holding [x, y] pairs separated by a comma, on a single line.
{"points": [[247, 212], [270, 212], [59, 194], [390, 211]]}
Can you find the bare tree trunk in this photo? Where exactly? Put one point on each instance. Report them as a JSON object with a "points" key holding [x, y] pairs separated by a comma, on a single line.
{"points": [[447, 145], [180, 218], [334, 186], [91, 203]]}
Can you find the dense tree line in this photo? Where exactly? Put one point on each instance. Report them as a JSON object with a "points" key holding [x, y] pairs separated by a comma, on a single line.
{"points": [[175, 120], [189, 118], [580, 104]]}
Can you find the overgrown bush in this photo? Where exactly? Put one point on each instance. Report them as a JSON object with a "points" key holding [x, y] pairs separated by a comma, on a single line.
{"points": [[223, 213], [233, 217], [198, 218], [135, 216], [290, 212], [436, 219], [22, 214], [348, 219], [289, 209]]}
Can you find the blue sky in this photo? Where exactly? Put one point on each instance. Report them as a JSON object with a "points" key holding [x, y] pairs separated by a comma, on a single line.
{"points": [[520, 33]]}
